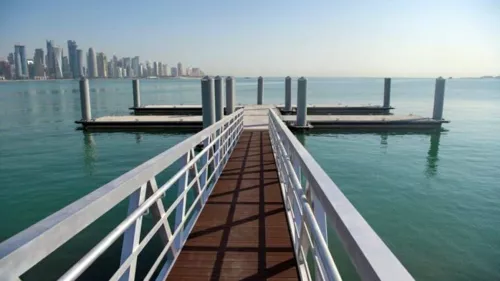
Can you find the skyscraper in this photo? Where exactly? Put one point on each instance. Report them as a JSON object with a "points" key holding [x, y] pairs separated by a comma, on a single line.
{"points": [[79, 64], [20, 62], [102, 67], [173, 71], [66, 68], [50, 59], [135, 66], [73, 59], [179, 69], [155, 68], [127, 66], [92, 64], [38, 61], [160, 69], [57, 55]]}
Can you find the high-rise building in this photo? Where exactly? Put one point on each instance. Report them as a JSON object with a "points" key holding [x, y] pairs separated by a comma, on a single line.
{"points": [[66, 68], [127, 65], [188, 71], [160, 69], [31, 69], [58, 63], [173, 72], [195, 72], [6, 70], [179, 69], [38, 61], [10, 58], [165, 70], [92, 64], [111, 69], [49, 62], [79, 64], [20, 62], [73, 59], [102, 67], [135, 66], [155, 69]]}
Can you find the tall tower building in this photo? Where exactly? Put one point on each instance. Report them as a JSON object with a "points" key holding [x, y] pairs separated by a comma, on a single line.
{"points": [[173, 72], [38, 61], [102, 67], [127, 66], [50, 59], [57, 54], [92, 64], [179, 69], [155, 68], [135, 66], [20, 62], [160, 69], [79, 64], [73, 59]]}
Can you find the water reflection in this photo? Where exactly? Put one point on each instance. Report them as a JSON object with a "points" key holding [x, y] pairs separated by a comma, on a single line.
{"points": [[432, 155], [89, 153], [302, 138], [383, 140], [138, 138]]}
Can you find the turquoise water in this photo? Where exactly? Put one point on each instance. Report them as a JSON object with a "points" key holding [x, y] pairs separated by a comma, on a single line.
{"points": [[433, 198]]}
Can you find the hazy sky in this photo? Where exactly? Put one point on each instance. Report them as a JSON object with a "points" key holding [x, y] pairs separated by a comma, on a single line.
{"points": [[418, 38]]}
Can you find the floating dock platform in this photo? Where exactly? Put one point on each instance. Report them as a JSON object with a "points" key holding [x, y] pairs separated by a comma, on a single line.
{"points": [[302, 116], [336, 109], [256, 117]]}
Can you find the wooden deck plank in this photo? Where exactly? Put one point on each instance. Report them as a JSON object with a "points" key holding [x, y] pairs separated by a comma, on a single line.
{"points": [[242, 233]]}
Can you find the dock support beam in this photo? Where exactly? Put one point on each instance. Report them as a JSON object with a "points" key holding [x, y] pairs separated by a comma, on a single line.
{"points": [[207, 101], [85, 99], [302, 102], [229, 95], [387, 92], [260, 89], [288, 94], [219, 103], [437, 113], [137, 92]]}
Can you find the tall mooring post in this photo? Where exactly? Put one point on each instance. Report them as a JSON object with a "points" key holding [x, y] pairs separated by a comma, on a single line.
{"points": [[137, 92], [288, 94], [229, 95], [302, 102], [387, 92], [207, 101], [437, 113], [85, 99], [260, 89], [219, 102]]}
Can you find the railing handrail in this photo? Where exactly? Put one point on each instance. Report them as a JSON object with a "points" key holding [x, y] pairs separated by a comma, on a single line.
{"points": [[24, 250], [369, 254]]}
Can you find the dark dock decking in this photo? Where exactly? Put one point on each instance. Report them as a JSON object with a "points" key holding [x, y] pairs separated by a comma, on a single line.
{"points": [[242, 233]]}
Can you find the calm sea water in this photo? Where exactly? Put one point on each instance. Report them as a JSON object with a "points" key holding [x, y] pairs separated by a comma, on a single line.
{"points": [[433, 198]]}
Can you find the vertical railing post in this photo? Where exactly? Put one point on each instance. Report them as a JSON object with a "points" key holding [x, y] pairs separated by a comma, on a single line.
{"points": [[229, 95], [302, 102], [288, 94], [180, 210], [132, 235], [219, 102], [437, 113], [85, 99], [387, 92], [260, 89], [207, 101], [136, 92]]}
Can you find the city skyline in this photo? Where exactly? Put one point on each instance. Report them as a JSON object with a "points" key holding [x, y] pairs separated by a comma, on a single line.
{"points": [[57, 64], [277, 38]]}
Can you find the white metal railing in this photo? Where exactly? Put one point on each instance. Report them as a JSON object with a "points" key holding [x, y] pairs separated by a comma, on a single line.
{"points": [[199, 171], [313, 204]]}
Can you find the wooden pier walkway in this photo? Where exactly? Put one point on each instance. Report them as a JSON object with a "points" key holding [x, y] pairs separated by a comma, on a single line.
{"points": [[242, 233]]}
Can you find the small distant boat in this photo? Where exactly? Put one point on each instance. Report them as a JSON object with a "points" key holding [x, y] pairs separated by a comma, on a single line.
{"points": [[247, 77]]}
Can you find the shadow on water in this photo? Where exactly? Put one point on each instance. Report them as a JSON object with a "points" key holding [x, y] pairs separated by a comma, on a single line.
{"points": [[89, 153], [432, 154]]}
